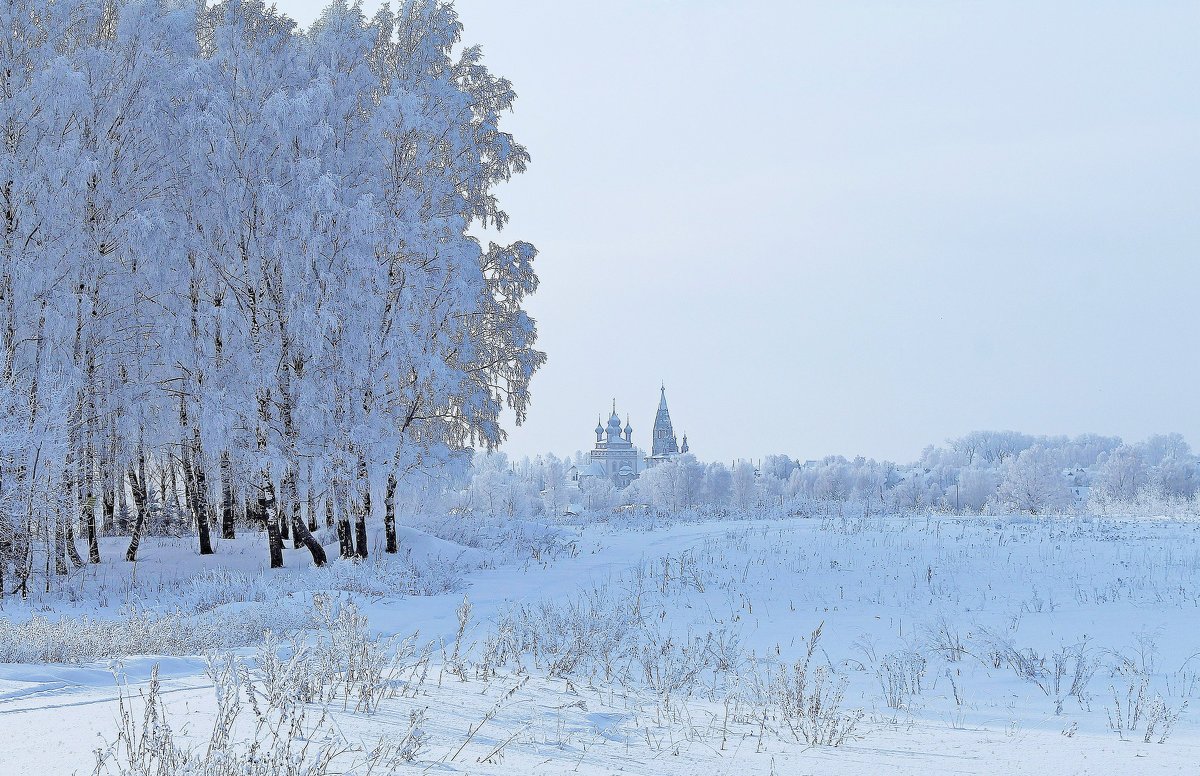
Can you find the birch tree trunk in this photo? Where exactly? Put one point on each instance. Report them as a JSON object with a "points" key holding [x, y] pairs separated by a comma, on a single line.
{"points": [[122, 504], [24, 570], [6, 540], [290, 506], [58, 532], [66, 519], [270, 512], [73, 481], [345, 538], [137, 484], [185, 465], [339, 502], [69, 535], [284, 529], [311, 499], [227, 505], [297, 523], [304, 537], [89, 470], [364, 507], [199, 490], [108, 494], [389, 513], [10, 302], [72, 551], [168, 499], [193, 450]]}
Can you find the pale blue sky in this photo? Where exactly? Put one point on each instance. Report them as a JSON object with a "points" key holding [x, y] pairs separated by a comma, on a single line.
{"points": [[855, 227]]}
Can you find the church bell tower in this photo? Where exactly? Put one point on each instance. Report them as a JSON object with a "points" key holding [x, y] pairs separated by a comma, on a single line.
{"points": [[664, 435]]}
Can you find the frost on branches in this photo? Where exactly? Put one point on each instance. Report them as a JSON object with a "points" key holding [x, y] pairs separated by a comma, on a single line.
{"points": [[237, 278]]}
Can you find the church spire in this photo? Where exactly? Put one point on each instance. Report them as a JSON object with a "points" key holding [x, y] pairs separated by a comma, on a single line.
{"points": [[664, 435]]}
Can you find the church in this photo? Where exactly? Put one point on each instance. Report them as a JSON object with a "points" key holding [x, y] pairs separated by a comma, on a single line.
{"points": [[617, 459], [665, 446]]}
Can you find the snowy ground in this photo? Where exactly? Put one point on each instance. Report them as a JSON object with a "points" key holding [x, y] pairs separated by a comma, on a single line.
{"points": [[650, 651]]}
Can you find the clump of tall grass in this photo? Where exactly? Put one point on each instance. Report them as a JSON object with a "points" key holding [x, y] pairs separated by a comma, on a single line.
{"points": [[272, 719]]}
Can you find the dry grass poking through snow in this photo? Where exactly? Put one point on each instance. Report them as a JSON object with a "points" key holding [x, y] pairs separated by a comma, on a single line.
{"points": [[273, 718], [744, 642]]}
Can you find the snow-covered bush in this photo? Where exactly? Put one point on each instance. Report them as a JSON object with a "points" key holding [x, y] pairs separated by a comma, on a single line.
{"points": [[144, 632], [999, 650], [943, 638], [495, 489], [283, 738], [219, 586], [1121, 475], [672, 668], [810, 699], [594, 635], [1033, 483], [900, 674], [976, 486], [599, 495], [342, 661], [393, 575], [1074, 667], [671, 486]]}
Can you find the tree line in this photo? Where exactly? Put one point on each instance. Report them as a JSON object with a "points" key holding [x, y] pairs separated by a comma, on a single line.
{"points": [[981, 472], [237, 274]]}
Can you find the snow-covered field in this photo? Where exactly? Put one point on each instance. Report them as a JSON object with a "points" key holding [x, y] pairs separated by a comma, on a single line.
{"points": [[945, 645]]}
